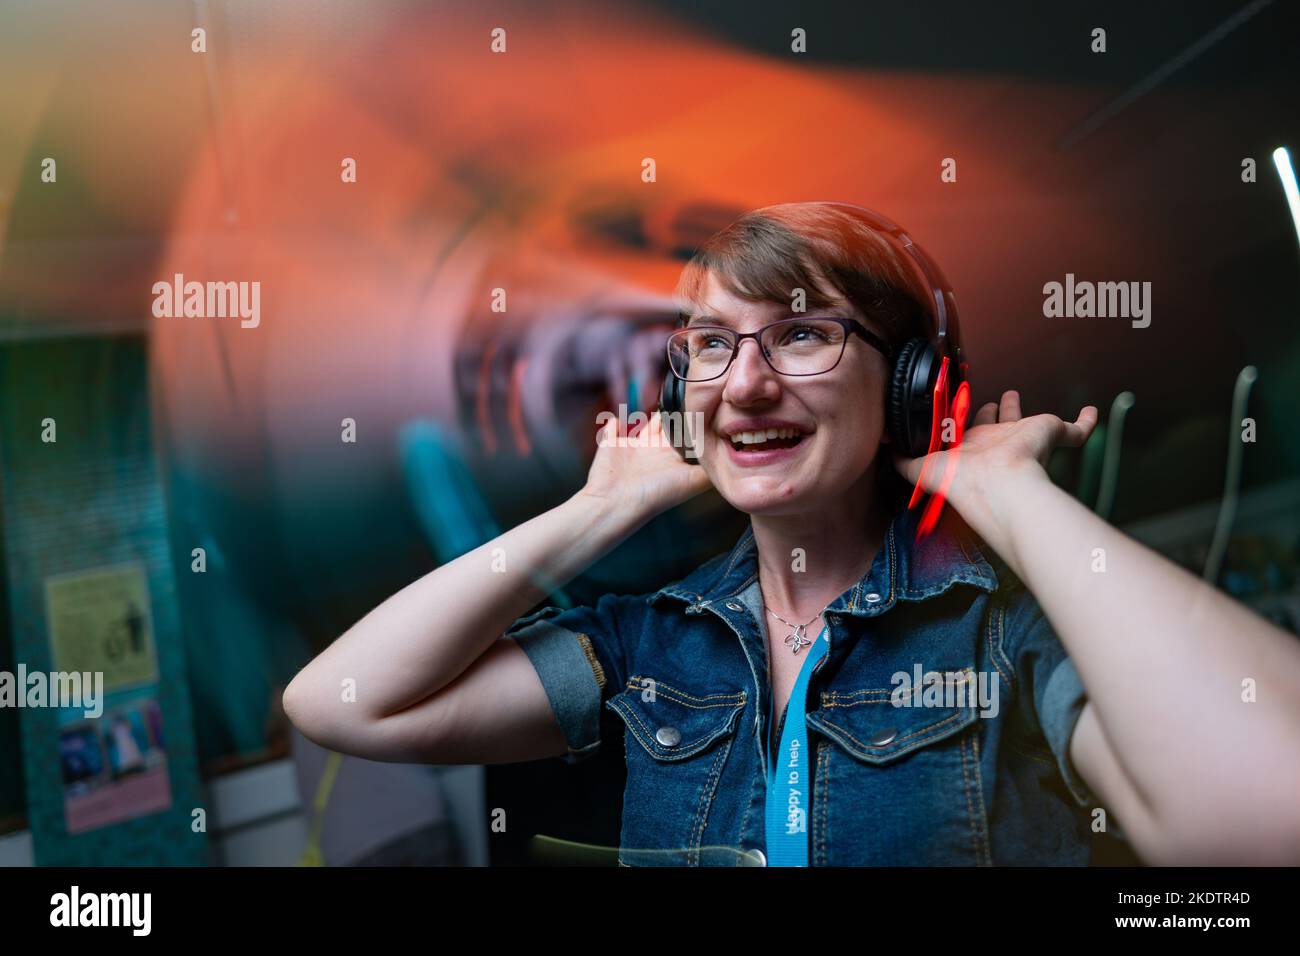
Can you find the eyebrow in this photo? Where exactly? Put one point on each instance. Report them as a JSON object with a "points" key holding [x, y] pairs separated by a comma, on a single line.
{"points": [[832, 313]]}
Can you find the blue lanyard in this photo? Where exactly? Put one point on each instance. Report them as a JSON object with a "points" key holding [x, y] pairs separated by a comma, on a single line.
{"points": [[788, 776]]}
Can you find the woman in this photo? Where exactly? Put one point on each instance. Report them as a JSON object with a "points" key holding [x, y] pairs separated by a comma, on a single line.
{"points": [[838, 690]]}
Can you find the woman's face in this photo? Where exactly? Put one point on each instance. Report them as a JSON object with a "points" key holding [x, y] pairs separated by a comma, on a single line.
{"points": [[841, 413]]}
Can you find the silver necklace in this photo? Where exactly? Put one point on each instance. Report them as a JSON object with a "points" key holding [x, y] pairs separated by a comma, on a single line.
{"points": [[797, 638]]}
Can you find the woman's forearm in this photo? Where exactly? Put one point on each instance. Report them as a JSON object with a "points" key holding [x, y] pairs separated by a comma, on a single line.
{"points": [[1162, 655], [427, 634]]}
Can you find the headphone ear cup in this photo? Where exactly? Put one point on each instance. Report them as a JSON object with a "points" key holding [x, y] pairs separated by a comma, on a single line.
{"points": [[672, 401], [900, 399], [666, 397]]}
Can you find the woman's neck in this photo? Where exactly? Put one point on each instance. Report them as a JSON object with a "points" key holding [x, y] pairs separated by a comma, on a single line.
{"points": [[807, 560]]}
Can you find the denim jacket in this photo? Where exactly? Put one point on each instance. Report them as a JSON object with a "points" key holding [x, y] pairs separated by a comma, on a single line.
{"points": [[963, 760]]}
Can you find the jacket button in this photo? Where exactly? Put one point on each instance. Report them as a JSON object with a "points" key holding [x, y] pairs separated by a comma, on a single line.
{"points": [[669, 736], [884, 737], [872, 598], [734, 606], [755, 857]]}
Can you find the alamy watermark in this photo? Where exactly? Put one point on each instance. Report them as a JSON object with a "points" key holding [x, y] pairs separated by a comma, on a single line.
{"points": [[73, 689], [946, 689], [672, 425], [1127, 300], [208, 300], [130, 910]]}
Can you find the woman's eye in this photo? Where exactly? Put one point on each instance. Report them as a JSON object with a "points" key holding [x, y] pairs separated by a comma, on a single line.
{"points": [[803, 333]]}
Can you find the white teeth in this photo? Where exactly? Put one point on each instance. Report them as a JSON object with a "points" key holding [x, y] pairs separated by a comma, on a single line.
{"points": [[756, 437]]}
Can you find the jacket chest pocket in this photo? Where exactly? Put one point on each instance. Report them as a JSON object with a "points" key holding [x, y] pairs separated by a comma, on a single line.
{"points": [[677, 744], [899, 784]]}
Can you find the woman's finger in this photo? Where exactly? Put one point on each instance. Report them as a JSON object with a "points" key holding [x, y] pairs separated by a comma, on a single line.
{"points": [[643, 430], [1077, 432], [608, 432], [1073, 434], [987, 415], [1009, 409], [909, 468]]}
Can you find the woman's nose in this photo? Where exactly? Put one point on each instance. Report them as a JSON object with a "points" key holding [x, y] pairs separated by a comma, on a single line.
{"points": [[749, 376]]}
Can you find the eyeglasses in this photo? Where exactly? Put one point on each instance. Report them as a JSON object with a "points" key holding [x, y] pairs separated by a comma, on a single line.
{"points": [[799, 346]]}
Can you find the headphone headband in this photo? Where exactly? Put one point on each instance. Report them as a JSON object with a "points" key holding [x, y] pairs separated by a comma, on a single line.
{"points": [[946, 334]]}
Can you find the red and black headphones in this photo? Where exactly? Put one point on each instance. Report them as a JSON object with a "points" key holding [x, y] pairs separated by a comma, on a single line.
{"points": [[928, 382]]}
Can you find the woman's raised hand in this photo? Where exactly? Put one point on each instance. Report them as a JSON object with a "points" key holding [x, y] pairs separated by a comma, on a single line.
{"points": [[1001, 445], [642, 471]]}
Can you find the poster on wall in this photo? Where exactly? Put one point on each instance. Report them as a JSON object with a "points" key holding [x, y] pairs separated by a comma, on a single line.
{"points": [[100, 623], [114, 767]]}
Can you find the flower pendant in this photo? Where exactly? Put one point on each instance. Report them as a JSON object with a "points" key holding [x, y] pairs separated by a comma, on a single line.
{"points": [[797, 639]]}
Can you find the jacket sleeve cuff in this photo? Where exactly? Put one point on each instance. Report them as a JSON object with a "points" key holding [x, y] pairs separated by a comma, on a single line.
{"points": [[1063, 701], [573, 679], [1062, 704]]}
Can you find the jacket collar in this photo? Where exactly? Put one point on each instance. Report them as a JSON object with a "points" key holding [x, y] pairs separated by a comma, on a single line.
{"points": [[903, 570]]}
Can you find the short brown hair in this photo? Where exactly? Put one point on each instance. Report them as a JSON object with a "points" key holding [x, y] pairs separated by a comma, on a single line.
{"points": [[767, 253]]}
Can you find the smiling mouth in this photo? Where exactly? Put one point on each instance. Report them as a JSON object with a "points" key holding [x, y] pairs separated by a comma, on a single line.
{"points": [[766, 444]]}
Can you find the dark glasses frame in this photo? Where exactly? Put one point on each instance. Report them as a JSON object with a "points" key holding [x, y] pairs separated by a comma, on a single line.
{"points": [[850, 327]]}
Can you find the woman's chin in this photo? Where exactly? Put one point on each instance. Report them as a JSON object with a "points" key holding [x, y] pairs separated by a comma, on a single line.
{"points": [[764, 495]]}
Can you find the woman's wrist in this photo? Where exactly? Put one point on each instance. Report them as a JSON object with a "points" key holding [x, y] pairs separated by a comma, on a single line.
{"points": [[610, 516], [995, 505]]}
